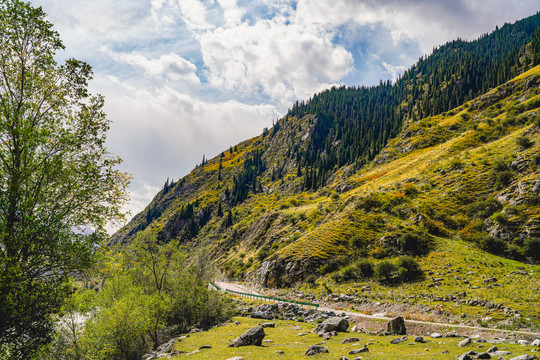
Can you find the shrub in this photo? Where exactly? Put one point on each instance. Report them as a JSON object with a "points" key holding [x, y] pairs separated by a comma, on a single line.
{"points": [[493, 245], [384, 271], [532, 248], [414, 242], [365, 267], [408, 269], [524, 142], [483, 208], [263, 253], [501, 175], [311, 279], [499, 218]]}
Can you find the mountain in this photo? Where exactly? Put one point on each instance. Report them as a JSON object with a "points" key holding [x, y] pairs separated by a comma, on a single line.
{"points": [[376, 172]]}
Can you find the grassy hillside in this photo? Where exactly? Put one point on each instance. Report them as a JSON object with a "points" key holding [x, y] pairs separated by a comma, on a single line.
{"points": [[458, 191], [292, 339]]}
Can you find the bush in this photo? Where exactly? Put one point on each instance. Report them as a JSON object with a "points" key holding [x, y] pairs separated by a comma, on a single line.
{"points": [[499, 218], [524, 142], [501, 175], [414, 242], [532, 248], [384, 271], [408, 269], [493, 245], [365, 267], [311, 279], [263, 253], [483, 208]]}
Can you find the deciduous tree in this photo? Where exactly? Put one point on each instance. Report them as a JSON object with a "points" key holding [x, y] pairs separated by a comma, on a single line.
{"points": [[58, 183]]}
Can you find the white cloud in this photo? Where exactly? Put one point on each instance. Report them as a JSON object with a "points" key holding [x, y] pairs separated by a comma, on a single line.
{"points": [[170, 65], [193, 77], [231, 12], [283, 60], [194, 14]]}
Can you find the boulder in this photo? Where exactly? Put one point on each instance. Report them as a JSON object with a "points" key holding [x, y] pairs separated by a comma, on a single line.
{"points": [[253, 336], [332, 324], [484, 355], [316, 349], [269, 325], [262, 315], [464, 342], [536, 342], [523, 342], [436, 335], [398, 340], [396, 326], [358, 351], [465, 356], [419, 339], [524, 357], [350, 340]]}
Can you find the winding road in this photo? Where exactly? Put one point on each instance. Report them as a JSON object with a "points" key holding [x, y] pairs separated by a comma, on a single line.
{"points": [[240, 288]]}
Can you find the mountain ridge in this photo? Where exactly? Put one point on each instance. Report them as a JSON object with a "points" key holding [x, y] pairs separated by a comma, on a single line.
{"points": [[277, 208]]}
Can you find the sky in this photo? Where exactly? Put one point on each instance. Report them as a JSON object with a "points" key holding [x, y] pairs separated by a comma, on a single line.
{"points": [[187, 78]]}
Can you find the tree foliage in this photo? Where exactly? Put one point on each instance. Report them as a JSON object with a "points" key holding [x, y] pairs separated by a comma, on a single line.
{"points": [[57, 178]]}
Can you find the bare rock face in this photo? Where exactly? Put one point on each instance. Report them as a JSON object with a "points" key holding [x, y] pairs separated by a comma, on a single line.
{"points": [[253, 336], [396, 326], [335, 323]]}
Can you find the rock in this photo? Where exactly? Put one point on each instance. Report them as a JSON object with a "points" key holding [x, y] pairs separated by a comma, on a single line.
{"points": [[269, 325], [465, 356], [536, 342], [464, 342], [492, 349], [358, 351], [396, 326], [327, 335], [419, 339], [316, 349], [350, 340], [523, 342], [343, 357], [435, 335], [524, 357], [262, 315], [398, 340], [332, 324], [484, 355], [205, 347], [268, 341], [236, 358], [253, 336], [280, 352]]}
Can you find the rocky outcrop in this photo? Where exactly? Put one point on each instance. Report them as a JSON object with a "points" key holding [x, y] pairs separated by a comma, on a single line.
{"points": [[283, 273]]}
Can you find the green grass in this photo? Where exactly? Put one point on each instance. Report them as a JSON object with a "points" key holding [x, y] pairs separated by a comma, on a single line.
{"points": [[286, 338]]}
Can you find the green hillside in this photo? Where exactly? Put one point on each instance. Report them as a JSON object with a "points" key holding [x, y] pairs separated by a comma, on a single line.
{"points": [[423, 167]]}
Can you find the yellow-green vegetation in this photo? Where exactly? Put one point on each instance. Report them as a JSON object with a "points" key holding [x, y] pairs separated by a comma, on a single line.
{"points": [[457, 188], [286, 337], [459, 270]]}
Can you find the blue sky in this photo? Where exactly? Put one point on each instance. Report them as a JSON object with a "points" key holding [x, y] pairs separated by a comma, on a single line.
{"points": [[183, 78]]}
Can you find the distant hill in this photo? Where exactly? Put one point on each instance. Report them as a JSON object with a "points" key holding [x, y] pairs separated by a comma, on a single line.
{"points": [[375, 172]]}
